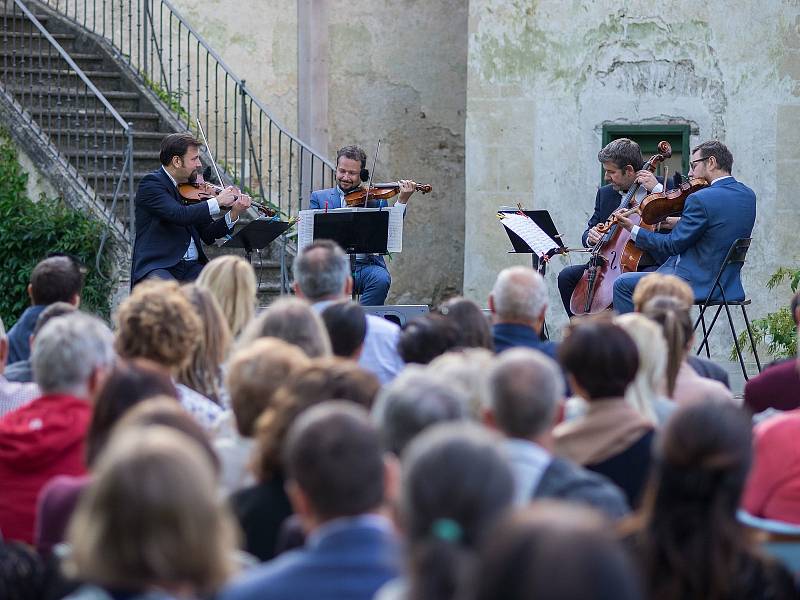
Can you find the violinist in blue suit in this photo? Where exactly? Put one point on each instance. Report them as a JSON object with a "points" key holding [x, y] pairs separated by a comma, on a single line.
{"points": [[170, 235], [372, 279], [712, 219]]}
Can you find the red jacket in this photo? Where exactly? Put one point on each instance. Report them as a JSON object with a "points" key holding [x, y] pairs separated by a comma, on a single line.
{"points": [[38, 441]]}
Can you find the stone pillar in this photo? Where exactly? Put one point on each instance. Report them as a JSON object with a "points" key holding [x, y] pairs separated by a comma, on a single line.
{"points": [[312, 73]]}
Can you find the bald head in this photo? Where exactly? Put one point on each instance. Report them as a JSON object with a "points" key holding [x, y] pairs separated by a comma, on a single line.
{"points": [[519, 295]]}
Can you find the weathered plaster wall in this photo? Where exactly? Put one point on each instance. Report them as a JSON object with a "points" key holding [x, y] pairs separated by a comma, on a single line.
{"points": [[544, 76]]}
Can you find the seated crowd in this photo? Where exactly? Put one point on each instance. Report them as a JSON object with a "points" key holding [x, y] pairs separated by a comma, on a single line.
{"points": [[201, 449]]}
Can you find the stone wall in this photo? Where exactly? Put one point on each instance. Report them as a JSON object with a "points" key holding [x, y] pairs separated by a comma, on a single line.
{"points": [[544, 76]]}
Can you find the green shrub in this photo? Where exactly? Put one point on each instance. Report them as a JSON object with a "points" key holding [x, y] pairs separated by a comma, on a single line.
{"points": [[30, 231]]}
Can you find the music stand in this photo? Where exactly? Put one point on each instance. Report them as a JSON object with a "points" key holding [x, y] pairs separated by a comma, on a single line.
{"points": [[256, 235], [543, 219]]}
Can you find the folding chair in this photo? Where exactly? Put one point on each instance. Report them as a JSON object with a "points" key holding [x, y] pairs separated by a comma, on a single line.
{"points": [[736, 255]]}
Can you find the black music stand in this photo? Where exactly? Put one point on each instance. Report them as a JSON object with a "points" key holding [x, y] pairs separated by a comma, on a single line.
{"points": [[357, 232], [256, 235]]}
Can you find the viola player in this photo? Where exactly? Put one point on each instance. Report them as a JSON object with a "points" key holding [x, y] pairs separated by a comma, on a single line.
{"points": [[372, 279]]}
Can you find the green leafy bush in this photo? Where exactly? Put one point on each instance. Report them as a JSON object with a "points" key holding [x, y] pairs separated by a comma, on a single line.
{"points": [[30, 231]]}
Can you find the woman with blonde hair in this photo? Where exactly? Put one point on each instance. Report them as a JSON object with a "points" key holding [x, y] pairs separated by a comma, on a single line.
{"points": [[232, 281]]}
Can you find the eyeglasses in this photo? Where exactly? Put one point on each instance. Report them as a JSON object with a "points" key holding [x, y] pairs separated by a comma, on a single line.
{"points": [[692, 163]]}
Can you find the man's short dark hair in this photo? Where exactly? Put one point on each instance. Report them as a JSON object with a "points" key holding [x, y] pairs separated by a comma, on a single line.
{"points": [[353, 153], [622, 152], [794, 306], [177, 144], [346, 323], [719, 151], [333, 453], [56, 309], [56, 279], [426, 337], [321, 270]]}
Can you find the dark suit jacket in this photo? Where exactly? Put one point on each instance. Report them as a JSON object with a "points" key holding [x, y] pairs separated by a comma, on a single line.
{"points": [[712, 219], [512, 335], [164, 226], [607, 201], [350, 563]]}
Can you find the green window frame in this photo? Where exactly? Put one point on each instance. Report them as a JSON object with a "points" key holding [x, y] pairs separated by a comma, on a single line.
{"points": [[648, 136]]}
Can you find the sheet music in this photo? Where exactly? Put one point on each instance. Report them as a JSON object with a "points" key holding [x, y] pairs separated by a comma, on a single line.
{"points": [[305, 226], [529, 232]]}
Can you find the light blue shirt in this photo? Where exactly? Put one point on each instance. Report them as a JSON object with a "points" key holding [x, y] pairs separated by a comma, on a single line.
{"points": [[528, 463]]}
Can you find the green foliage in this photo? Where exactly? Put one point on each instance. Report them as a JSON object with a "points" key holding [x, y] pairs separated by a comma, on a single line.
{"points": [[29, 231], [777, 329], [171, 99]]}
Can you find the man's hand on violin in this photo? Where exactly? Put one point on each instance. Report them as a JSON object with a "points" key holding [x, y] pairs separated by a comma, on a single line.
{"points": [[593, 236], [646, 179], [228, 196], [406, 189], [241, 204]]}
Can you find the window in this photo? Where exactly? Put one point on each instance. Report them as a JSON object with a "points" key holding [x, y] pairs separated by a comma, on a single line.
{"points": [[648, 136]]}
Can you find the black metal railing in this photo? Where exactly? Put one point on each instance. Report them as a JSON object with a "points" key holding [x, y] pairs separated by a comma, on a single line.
{"points": [[75, 122], [161, 48]]}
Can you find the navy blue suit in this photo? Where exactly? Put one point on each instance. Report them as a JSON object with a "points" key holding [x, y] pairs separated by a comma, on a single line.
{"points": [[712, 219], [350, 563], [164, 226], [372, 279]]}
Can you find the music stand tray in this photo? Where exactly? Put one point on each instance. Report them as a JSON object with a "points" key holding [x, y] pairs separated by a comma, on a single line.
{"points": [[543, 219], [356, 232], [256, 235]]}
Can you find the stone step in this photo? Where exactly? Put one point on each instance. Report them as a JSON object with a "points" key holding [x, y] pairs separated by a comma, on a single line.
{"points": [[27, 41], [62, 77], [49, 96], [15, 21], [16, 59], [95, 159], [79, 119], [145, 141]]}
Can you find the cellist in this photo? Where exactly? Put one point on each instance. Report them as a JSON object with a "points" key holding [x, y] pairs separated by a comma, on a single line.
{"points": [[622, 163]]}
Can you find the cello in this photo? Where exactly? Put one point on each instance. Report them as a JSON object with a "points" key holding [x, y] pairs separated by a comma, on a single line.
{"points": [[595, 290]]}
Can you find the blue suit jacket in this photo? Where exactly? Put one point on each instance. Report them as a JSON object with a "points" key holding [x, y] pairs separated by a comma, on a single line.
{"points": [[164, 226], [351, 563], [712, 219]]}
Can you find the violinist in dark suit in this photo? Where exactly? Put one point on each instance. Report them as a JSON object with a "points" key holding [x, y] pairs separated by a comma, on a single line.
{"points": [[622, 163], [169, 234], [712, 219], [372, 279]]}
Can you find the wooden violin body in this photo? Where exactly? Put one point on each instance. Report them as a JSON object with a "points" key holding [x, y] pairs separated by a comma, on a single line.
{"points": [[200, 190], [379, 191], [657, 207]]}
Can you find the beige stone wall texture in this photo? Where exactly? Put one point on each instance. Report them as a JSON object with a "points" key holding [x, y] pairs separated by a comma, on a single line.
{"points": [[544, 76]]}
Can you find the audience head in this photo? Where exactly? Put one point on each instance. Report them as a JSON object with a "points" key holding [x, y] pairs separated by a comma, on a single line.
{"points": [[203, 371], [426, 337], [322, 272], [255, 373], [3, 347], [346, 323], [157, 322], [72, 354], [413, 401], [232, 282], [56, 279], [599, 357], [56, 309], [465, 370], [650, 382], [456, 481], [334, 463], [471, 321], [553, 551], [294, 321], [525, 390], [519, 295], [658, 284], [676, 326], [795, 308], [151, 518], [127, 384]]}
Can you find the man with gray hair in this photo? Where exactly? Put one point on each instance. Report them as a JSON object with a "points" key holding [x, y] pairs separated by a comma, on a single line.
{"points": [[12, 394], [518, 303], [322, 276], [524, 397], [45, 438]]}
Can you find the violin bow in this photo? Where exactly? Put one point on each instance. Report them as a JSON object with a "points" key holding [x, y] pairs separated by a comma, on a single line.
{"points": [[211, 156], [372, 173]]}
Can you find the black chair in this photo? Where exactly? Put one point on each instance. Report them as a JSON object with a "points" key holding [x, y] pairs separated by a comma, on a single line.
{"points": [[736, 255]]}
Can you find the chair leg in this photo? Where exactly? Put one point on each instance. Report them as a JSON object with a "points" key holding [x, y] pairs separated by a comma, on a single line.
{"points": [[736, 342], [750, 335], [707, 333]]}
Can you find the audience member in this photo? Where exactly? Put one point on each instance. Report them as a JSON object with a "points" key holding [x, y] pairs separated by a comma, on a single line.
{"points": [[157, 322], [647, 392], [456, 482], [426, 337], [415, 400], [22, 572], [322, 276], [525, 392], [21, 370], [45, 437], [150, 522], [12, 394], [55, 279], [232, 281], [466, 371], [203, 372], [127, 384], [553, 551], [684, 385], [346, 323], [688, 541], [518, 303], [612, 438], [472, 322], [337, 481], [291, 320], [253, 376]]}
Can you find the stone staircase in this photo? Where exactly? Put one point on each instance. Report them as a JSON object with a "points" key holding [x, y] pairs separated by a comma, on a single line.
{"points": [[43, 84]]}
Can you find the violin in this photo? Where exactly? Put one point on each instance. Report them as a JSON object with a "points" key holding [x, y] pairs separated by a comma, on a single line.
{"points": [[200, 190], [657, 207], [379, 191]]}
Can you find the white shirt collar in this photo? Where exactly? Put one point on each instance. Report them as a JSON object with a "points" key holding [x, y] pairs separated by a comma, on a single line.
{"points": [[721, 178], [171, 178]]}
